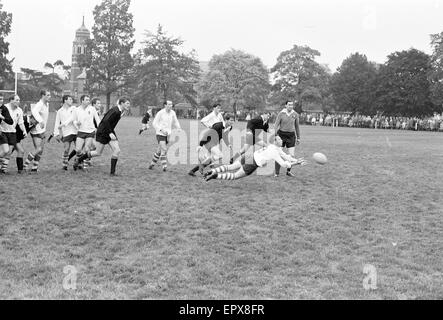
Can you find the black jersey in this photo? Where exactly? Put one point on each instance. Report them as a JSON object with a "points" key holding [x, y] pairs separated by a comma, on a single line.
{"points": [[109, 121]]}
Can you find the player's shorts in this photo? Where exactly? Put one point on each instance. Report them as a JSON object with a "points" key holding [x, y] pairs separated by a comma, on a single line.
{"points": [[248, 163], [288, 138], [3, 139], [162, 138], [85, 135], [103, 138], [70, 138], [38, 135], [11, 138]]}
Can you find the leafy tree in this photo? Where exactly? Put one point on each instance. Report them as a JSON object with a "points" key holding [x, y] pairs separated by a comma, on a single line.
{"points": [[108, 56], [6, 74], [163, 72], [298, 76], [34, 81], [239, 79], [402, 85], [59, 65], [353, 85], [436, 73]]}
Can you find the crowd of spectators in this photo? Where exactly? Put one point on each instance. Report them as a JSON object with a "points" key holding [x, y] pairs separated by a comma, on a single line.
{"points": [[432, 123]]}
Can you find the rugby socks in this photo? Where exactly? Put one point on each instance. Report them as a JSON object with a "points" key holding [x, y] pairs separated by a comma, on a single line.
{"points": [[163, 161], [29, 159], [277, 168], [5, 164], [2, 161], [36, 162], [226, 176], [19, 162], [72, 154], [113, 165], [155, 158], [65, 160], [221, 169]]}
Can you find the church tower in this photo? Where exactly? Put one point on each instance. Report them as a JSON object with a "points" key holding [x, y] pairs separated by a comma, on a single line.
{"points": [[78, 75]]}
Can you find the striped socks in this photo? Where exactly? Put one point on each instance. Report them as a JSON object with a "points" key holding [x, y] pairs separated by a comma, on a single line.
{"points": [[226, 176], [164, 162], [29, 159], [65, 160], [155, 158], [220, 169], [35, 163]]}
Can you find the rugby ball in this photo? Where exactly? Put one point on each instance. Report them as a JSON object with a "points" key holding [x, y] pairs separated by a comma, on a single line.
{"points": [[320, 158]]}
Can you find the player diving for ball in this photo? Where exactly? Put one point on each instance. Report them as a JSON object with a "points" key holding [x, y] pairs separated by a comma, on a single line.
{"points": [[218, 128], [249, 162]]}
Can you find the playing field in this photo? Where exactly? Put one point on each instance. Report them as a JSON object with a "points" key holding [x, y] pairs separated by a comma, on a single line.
{"points": [[154, 235]]}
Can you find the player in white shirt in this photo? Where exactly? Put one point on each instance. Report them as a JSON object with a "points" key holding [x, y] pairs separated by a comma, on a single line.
{"points": [[84, 121], [250, 162], [164, 121], [9, 130], [214, 117], [64, 128], [40, 113]]}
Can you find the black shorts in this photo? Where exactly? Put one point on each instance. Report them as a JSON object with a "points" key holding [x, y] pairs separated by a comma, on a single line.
{"points": [[288, 138], [3, 139], [102, 138], [248, 163], [162, 138], [11, 138], [39, 135], [84, 135], [70, 138], [19, 134]]}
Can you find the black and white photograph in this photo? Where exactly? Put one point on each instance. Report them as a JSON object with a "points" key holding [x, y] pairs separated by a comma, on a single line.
{"points": [[203, 151]]}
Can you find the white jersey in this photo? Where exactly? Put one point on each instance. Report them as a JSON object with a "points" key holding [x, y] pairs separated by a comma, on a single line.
{"points": [[64, 121], [164, 122], [212, 118], [17, 117], [272, 152], [40, 112], [86, 118]]}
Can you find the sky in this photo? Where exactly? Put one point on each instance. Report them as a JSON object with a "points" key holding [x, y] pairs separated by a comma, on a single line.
{"points": [[43, 30]]}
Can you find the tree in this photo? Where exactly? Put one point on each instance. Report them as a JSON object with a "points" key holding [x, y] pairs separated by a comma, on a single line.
{"points": [[64, 70], [6, 74], [297, 75], [163, 72], [34, 81], [108, 58], [237, 78], [402, 85], [353, 85], [436, 73]]}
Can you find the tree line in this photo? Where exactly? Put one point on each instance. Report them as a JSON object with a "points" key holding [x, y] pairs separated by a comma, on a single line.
{"points": [[409, 83]]}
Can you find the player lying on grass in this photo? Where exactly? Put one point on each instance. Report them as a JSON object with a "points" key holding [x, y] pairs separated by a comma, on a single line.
{"points": [[249, 162]]}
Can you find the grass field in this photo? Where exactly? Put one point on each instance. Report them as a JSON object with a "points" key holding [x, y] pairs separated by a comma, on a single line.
{"points": [[154, 235]]}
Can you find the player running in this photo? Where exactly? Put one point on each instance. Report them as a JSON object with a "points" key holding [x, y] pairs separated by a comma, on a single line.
{"points": [[106, 134], [249, 163], [8, 133], [164, 121], [64, 127], [85, 114], [40, 113]]}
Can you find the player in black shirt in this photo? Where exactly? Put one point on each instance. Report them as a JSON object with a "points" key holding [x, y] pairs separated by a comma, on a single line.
{"points": [[145, 121], [253, 128], [106, 134]]}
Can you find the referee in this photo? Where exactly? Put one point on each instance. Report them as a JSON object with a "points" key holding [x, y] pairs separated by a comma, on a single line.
{"points": [[287, 127]]}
